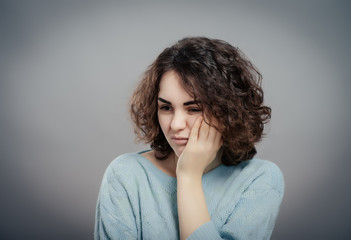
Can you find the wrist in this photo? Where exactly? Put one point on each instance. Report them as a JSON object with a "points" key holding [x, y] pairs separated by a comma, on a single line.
{"points": [[189, 177]]}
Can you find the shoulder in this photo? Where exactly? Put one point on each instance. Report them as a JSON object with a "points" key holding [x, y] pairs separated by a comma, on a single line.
{"points": [[123, 166], [261, 165], [124, 160], [264, 172]]}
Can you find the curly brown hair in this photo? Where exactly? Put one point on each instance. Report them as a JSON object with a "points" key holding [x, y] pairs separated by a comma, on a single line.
{"points": [[222, 80]]}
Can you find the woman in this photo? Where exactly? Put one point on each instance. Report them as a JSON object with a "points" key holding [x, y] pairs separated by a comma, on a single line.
{"points": [[200, 106]]}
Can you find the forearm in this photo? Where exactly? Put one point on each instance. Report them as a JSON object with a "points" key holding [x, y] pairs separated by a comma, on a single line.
{"points": [[192, 208]]}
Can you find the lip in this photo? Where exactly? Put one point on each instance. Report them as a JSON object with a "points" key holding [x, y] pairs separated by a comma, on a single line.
{"points": [[179, 140]]}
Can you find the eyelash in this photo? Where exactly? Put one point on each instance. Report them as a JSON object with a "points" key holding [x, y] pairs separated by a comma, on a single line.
{"points": [[194, 110], [169, 108]]}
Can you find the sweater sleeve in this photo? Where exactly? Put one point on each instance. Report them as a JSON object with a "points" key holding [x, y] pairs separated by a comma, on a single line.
{"points": [[254, 214], [114, 214]]}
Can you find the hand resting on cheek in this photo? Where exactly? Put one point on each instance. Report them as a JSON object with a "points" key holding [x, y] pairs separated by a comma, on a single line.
{"points": [[201, 150]]}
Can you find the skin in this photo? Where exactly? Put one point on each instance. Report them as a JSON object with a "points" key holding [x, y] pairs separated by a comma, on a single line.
{"points": [[196, 150]]}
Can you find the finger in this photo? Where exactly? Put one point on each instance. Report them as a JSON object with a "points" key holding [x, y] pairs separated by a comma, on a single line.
{"points": [[214, 135], [212, 128], [204, 129], [194, 133], [218, 139], [215, 126], [212, 132]]}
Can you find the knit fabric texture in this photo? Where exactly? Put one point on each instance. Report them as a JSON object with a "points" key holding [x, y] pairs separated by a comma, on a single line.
{"points": [[139, 201]]}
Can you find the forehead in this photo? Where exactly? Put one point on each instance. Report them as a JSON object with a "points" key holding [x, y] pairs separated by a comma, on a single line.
{"points": [[171, 87]]}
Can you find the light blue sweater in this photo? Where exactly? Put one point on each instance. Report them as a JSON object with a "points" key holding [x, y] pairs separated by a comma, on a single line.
{"points": [[139, 201]]}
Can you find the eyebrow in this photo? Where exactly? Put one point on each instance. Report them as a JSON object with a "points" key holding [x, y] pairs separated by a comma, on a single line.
{"points": [[185, 104]]}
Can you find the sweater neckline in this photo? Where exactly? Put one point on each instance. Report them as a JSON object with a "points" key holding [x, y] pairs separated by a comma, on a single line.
{"points": [[164, 177]]}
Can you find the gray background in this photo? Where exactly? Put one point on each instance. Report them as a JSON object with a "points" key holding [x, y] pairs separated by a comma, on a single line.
{"points": [[68, 69]]}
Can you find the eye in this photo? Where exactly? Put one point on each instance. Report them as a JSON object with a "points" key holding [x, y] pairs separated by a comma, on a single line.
{"points": [[165, 108], [194, 109]]}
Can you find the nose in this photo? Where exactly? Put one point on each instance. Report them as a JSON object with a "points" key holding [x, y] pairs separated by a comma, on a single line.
{"points": [[178, 121]]}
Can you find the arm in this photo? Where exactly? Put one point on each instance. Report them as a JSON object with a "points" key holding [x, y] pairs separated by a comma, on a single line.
{"points": [[255, 211], [203, 145], [192, 208]]}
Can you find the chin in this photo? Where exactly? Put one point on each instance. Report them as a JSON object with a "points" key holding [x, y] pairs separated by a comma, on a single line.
{"points": [[178, 151]]}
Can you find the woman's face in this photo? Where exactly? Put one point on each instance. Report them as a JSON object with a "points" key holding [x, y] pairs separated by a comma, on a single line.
{"points": [[177, 111]]}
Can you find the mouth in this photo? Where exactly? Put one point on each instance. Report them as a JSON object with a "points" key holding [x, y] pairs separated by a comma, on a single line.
{"points": [[179, 140]]}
